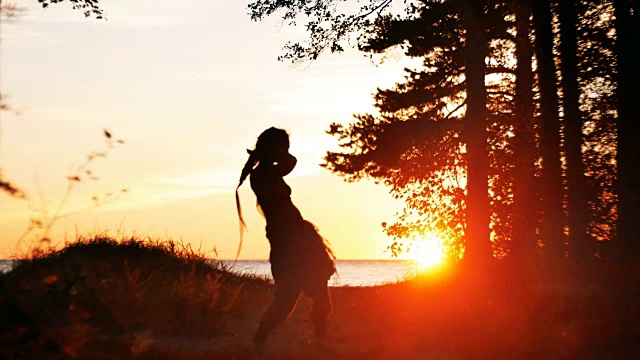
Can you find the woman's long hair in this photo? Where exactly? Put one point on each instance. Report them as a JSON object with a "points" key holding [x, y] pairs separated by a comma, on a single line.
{"points": [[246, 170], [269, 139]]}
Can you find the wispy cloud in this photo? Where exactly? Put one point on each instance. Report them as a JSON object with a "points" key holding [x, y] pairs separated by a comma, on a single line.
{"points": [[145, 21], [115, 14], [122, 21], [157, 190]]}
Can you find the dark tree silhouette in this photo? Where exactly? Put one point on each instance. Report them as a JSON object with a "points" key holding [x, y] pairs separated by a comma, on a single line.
{"points": [[552, 183], [578, 245], [88, 7], [585, 71], [628, 152], [418, 142], [420, 119], [597, 65], [526, 201], [475, 132], [328, 28]]}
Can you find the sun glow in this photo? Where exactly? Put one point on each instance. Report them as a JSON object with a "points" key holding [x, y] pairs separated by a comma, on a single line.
{"points": [[428, 251]]}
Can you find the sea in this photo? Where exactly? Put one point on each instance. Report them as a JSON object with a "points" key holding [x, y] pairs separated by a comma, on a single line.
{"points": [[349, 272]]}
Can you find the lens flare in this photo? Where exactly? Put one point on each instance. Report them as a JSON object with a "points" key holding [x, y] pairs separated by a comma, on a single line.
{"points": [[427, 251]]}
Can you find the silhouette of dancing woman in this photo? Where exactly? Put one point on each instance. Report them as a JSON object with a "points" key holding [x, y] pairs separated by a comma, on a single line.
{"points": [[300, 259]]}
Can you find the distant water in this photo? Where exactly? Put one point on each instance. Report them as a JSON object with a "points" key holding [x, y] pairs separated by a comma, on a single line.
{"points": [[350, 272]]}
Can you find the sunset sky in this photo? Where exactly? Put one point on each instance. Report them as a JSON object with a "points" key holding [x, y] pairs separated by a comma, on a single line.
{"points": [[188, 86]]}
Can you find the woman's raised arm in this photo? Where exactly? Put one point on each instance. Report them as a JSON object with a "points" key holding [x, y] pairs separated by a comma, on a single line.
{"points": [[285, 163]]}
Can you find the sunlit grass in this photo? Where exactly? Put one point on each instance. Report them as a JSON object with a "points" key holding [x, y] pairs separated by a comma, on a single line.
{"points": [[116, 289]]}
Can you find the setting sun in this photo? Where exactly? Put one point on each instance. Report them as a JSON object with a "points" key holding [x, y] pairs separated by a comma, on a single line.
{"points": [[427, 252]]}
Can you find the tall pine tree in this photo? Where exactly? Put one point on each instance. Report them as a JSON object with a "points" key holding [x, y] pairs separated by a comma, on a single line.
{"points": [[628, 151]]}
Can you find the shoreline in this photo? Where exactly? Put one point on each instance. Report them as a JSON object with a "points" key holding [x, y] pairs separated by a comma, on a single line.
{"points": [[358, 273]]}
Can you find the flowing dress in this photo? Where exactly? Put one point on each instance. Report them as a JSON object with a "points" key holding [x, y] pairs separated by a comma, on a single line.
{"points": [[299, 255]]}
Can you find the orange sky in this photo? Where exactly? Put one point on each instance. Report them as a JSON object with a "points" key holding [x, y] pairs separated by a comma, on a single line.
{"points": [[188, 87]]}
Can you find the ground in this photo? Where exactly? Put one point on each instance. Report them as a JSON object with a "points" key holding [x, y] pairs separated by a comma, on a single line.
{"points": [[106, 300]]}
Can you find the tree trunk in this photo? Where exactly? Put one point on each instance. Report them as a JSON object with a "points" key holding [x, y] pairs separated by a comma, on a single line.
{"points": [[628, 151], [524, 241], [552, 188], [579, 246], [478, 249]]}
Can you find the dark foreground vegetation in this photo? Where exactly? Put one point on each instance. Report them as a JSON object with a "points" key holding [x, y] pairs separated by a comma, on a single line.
{"points": [[139, 299]]}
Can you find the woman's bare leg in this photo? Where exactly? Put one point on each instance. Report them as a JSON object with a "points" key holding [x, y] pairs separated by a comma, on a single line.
{"points": [[321, 309], [283, 303]]}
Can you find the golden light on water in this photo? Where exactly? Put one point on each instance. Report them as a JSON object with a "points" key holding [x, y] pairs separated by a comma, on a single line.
{"points": [[428, 252]]}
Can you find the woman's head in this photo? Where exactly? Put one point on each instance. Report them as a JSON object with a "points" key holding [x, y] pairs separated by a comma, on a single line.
{"points": [[272, 140]]}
